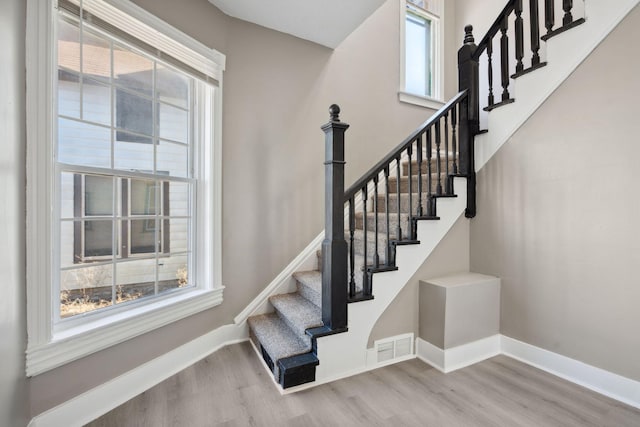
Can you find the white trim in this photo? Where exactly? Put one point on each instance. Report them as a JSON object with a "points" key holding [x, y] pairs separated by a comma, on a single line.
{"points": [[607, 383], [283, 279], [423, 101], [49, 347], [158, 33], [455, 358], [105, 397], [604, 382], [46, 356]]}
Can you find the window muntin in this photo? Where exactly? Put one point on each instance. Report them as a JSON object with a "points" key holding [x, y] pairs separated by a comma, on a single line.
{"points": [[125, 157]]}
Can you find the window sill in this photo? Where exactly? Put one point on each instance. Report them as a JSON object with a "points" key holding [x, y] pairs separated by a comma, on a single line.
{"points": [[422, 101], [74, 343]]}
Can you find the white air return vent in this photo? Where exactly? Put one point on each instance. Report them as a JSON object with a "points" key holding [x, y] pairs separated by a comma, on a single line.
{"points": [[398, 347]]}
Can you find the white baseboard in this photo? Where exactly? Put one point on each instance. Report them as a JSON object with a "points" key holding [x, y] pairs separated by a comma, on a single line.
{"points": [[105, 397], [459, 357], [604, 382]]}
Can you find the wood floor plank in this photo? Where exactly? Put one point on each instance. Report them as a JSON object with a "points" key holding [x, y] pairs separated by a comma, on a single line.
{"points": [[232, 388]]}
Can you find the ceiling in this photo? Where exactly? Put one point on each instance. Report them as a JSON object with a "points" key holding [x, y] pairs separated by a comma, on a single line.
{"points": [[326, 22]]}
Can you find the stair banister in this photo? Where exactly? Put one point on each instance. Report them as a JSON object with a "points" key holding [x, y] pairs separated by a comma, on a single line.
{"points": [[469, 123], [334, 246]]}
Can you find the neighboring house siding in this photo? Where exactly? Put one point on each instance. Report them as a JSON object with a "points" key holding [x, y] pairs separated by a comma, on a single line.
{"points": [[130, 156]]}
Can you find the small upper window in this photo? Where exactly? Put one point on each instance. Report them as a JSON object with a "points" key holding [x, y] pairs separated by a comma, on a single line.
{"points": [[420, 50]]}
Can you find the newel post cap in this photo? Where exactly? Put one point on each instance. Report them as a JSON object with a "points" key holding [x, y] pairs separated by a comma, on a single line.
{"points": [[468, 34]]}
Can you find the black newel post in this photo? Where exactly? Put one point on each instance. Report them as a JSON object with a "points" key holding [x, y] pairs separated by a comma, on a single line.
{"points": [[469, 115], [334, 246]]}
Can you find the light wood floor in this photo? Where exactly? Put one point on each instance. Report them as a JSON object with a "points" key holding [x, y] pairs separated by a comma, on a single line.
{"points": [[231, 388]]}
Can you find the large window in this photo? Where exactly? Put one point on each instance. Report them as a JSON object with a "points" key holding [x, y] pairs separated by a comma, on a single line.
{"points": [[421, 41], [130, 155]]}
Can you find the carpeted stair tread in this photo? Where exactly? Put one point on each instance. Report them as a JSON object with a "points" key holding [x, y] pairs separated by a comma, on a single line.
{"points": [[404, 183], [310, 284], [298, 312], [434, 164], [382, 223], [277, 338], [404, 203], [358, 245]]}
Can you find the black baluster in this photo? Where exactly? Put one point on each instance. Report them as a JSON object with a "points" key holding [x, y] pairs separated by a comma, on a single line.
{"points": [[454, 140], [352, 229], [448, 182], [519, 36], [535, 32], [430, 199], [376, 257], [549, 15], [504, 56], [438, 165], [567, 5], [366, 291], [399, 236], [491, 99], [419, 155], [410, 181], [386, 204]]}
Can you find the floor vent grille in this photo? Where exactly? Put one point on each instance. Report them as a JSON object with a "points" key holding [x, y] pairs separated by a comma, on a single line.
{"points": [[394, 348]]}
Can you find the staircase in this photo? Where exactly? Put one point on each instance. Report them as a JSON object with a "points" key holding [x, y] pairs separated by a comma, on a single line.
{"points": [[402, 207], [281, 336]]}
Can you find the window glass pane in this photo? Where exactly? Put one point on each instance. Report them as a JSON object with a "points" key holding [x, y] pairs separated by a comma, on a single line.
{"points": [[173, 272], [178, 232], [68, 94], [83, 144], [134, 156], [173, 159], [98, 195], [135, 279], [68, 46], [142, 197], [178, 199], [172, 86], [96, 56], [174, 123], [67, 195], [142, 236], [85, 289], [418, 55], [133, 113], [96, 102], [69, 253], [133, 71], [98, 236]]}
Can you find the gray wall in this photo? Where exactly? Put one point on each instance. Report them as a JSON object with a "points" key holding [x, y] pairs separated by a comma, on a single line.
{"points": [[558, 215], [277, 90], [13, 384]]}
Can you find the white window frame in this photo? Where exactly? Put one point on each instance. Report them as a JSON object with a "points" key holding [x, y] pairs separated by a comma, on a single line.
{"points": [[436, 101], [49, 347]]}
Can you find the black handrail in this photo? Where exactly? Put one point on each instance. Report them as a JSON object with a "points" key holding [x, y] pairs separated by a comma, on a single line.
{"points": [[393, 155]]}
